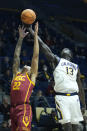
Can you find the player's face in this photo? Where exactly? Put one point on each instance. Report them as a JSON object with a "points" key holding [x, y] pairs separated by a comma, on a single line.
{"points": [[67, 57]]}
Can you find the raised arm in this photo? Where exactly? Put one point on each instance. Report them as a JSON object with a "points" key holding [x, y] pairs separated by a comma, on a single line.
{"points": [[16, 59], [45, 49], [81, 93], [34, 63]]}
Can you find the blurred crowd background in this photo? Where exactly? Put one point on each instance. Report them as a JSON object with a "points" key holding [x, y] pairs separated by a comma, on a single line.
{"points": [[57, 30]]}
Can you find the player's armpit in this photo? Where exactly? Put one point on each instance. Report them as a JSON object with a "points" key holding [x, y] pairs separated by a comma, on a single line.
{"points": [[33, 78]]}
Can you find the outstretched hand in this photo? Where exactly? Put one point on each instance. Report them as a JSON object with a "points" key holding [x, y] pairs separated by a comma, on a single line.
{"points": [[35, 30], [22, 32]]}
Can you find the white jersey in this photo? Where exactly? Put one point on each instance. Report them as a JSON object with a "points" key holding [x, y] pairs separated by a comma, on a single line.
{"points": [[65, 75]]}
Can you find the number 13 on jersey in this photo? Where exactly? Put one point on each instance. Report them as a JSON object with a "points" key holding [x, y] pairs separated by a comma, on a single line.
{"points": [[69, 70]]}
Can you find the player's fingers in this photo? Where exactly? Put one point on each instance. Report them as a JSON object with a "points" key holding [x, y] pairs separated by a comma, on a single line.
{"points": [[36, 26], [37, 23], [24, 28]]}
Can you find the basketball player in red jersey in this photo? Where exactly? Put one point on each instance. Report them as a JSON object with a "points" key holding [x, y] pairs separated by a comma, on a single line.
{"points": [[22, 85]]}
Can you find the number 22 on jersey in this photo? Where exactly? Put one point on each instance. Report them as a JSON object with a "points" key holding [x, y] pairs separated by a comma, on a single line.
{"points": [[16, 85]]}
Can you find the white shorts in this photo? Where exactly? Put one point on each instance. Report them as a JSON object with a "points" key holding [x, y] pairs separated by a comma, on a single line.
{"points": [[68, 108]]}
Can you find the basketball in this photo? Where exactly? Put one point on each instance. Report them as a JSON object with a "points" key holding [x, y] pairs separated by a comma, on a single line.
{"points": [[28, 16]]}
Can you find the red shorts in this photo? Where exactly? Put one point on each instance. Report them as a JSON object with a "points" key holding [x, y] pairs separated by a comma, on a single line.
{"points": [[21, 117]]}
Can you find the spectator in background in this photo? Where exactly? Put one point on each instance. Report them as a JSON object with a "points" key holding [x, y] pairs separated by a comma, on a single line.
{"points": [[8, 75], [48, 40], [5, 110], [44, 74], [50, 90], [42, 62], [61, 43], [6, 64], [7, 80], [53, 43], [82, 54], [14, 35], [84, 84], [1, 33], [46, 32], [29, 40], [2, 45], [2, 93], [24, 58], [40, 100]]}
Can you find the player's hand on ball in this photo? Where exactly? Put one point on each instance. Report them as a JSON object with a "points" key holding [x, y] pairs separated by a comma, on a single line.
{"points": [[22, 32], [36, 27], [35, 30]]}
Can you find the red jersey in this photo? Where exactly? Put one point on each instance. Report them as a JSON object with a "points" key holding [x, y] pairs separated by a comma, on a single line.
{"points": [[21, 89]]}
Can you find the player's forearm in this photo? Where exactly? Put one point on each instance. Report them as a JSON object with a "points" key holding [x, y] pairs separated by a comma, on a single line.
{"points": [[18, 47], [43, 46], [82, 96], [34, 63], [81, 93], [81, 90], [36, 46]]}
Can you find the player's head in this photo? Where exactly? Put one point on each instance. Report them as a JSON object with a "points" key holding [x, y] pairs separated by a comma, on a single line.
{"points": [[26, 69], [67, 54]]}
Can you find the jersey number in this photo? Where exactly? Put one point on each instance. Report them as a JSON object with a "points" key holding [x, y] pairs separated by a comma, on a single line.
{"points": [[69, 70], [16, 85]]}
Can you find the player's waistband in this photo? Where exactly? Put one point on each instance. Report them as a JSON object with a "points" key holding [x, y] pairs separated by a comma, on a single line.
{"points": [[14, 105], [66, 94]]}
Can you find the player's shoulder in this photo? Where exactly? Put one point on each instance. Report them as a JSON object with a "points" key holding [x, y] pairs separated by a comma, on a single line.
{"points": [[31, 77], [70, 63], [18, 73], [57, 58], [15, 75]]}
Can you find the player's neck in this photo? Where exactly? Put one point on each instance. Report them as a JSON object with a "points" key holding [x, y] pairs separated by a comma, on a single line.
{"points": [[23, 72]]}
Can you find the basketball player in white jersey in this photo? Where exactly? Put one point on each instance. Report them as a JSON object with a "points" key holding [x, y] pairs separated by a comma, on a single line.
{"points": [[68, 87]]}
